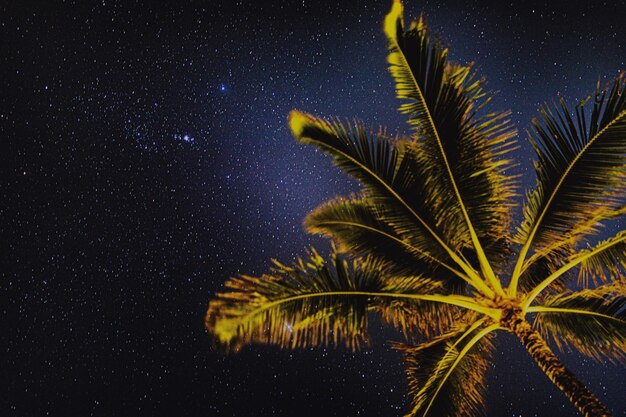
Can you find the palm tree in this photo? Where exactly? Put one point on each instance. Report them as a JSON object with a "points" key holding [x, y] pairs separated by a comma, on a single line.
{"points": [[429, 245]]}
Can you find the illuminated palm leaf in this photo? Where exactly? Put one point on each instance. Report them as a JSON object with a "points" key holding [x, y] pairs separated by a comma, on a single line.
{"points": [[360, 228], [602, 263], [442, 101], [581, 170], [447, 375], [591, 321], [315, 302]]}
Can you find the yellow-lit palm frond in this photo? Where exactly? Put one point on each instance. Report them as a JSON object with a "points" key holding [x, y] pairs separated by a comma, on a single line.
{"points": [[315, 302], [443, 101], [360, 227], [591, 321], [581, 169], [447, 375], [603, 262]]}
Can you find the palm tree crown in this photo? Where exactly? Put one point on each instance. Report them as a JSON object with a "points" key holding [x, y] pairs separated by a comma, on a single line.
{"points": [[429, 242]]}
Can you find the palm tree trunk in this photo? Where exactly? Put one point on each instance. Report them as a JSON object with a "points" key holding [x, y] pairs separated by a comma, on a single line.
{"points": [[583, 399]]}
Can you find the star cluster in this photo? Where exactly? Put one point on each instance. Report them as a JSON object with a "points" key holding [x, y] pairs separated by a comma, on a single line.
{"points": [[146, 159]]}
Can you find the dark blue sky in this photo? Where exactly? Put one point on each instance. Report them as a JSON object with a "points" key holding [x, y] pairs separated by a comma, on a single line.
{"points": [[146, 159]]}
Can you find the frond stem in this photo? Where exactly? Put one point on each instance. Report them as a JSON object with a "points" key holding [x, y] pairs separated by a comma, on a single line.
{"points": [[455, 300], [544, 309]]}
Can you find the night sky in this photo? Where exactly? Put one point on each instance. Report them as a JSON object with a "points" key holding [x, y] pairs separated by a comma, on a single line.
{"points": [[146, 158]]}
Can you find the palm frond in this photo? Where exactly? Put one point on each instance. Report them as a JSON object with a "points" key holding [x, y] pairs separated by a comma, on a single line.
{"points": [[443, 102], [591, 321], [359, 227], [315, 302], [446, 375], [603, 262], [560, 252], [581, 169]]}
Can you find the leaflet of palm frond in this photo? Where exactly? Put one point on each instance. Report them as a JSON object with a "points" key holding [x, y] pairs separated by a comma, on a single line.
{"points": [[591, 321], [446, 376], [581, 168], [608, 265], [543, 266], [620, 211], [311, 303], [444, 101], [358, 226], [389, 175]]}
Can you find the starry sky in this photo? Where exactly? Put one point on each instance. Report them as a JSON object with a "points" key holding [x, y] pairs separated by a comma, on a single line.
{"points": [[146, 158]]}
